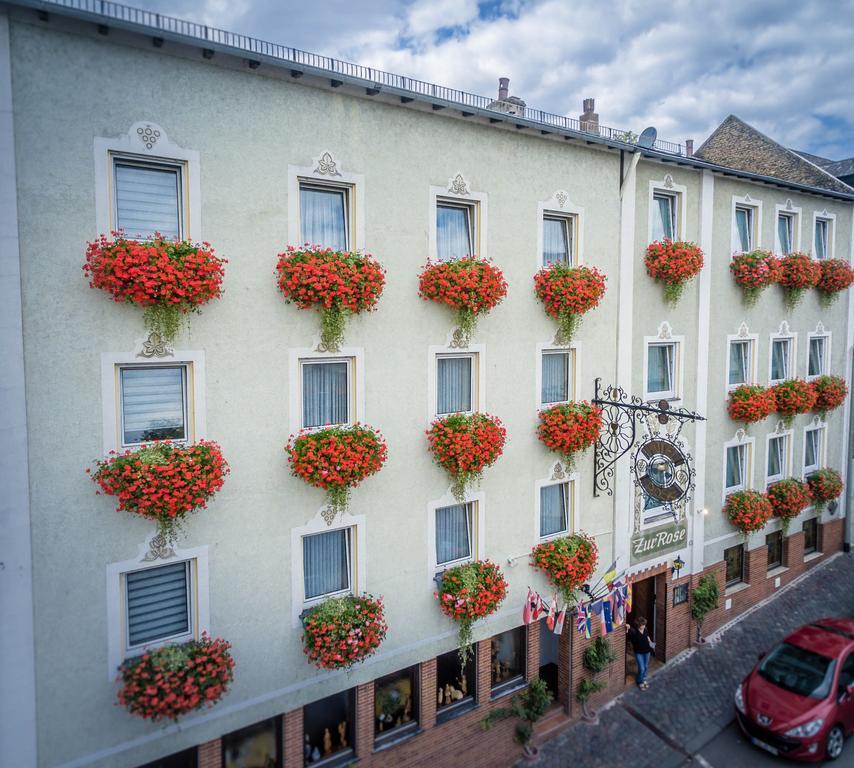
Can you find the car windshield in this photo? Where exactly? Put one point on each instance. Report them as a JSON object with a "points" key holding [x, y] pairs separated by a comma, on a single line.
{"points": [[799, 671]]}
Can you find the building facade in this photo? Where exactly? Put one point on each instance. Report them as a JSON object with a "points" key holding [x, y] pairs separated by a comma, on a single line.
{"points": [[121, 119]]}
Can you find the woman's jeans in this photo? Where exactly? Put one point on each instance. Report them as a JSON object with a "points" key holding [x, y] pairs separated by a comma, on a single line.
{"points": [[643, 663]]}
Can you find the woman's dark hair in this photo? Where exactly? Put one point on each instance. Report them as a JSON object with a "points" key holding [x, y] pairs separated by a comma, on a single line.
{"points": [[640, 623]]}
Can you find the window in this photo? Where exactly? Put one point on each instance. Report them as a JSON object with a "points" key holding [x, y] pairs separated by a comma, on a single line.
{"points": [[822, 238], [664, 217], [810, 528], [455, 686], [778, 459], [680, 594], [734, 559], [817, 360], [327, 563], [327, 391], [744, 227], [813, 449], [736, 468], [455, 534], [555, 509], [396, 705], [786, 232], [157, 604], [846, 674], [254, 746], [328, 727], [508, 653], [557, 377], [324, 215], [661, 371], [186, 759], [558, 240], [774, 542], [455, 384], [153, 403], [147, 198], [654, 512], [456, 229], [781, 354], [740, 363]]}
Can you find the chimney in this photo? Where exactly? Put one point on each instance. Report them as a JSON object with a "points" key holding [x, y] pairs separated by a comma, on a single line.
{"points": [[689, 147], [503, 88], [589, 119]]}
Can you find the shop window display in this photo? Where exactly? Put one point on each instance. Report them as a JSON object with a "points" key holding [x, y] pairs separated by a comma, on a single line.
{"points": [[328, 729], [396, 705], [507, 664], [455, 685], [253, 747]]}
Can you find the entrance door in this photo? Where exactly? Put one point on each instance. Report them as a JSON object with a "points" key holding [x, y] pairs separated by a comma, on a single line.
{"points": [[549, 643], [643, 604]]}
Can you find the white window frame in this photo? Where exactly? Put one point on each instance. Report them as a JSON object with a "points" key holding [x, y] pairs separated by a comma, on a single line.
{"points": [[324, 171], [817, 425], [471, 519], [791, 365], [786, 434], [478, 353], [457, 192], [753, 340], [151, 556], [573, 350], [558, 476], [756, 225], [788, 209], [358, 557], [145, 355], [830, 218], [665, 336], [559, 205], [478, 501], [666, 186], [355, 356], [749, 443], [147, 143], [819, 333]]}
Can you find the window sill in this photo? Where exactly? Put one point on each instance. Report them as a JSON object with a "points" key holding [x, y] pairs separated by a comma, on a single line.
{"points": [[455, 711], [347, 757], [736, 588], [810, 556], [391, 739], [506, 688], [776, 571]]}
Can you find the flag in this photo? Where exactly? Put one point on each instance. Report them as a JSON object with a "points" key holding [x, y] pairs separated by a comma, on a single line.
{"points": [[552, 613], [558, 630], [526, 611], [537, 605], [580, 619], [610, 575], [628, 596], [587, 622], [607, 624]]}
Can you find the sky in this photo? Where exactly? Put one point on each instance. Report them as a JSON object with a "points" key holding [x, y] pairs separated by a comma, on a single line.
{"points": [[784, 66]]}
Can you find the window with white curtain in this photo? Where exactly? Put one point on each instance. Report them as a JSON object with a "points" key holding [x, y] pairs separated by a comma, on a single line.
{"points": [[813, 449], [326, 392], [654, 511], [327, 563], [664, 217], [786, 232], [817, 362], [455, 534], [556, 377], [147, 199], [778, 458], [822, 242], [324, 215], [158, 604], [736, 468], [555, 509], [744, 227], [740, 363], [455, 384], [558, 240], [661, 370], [781, 352], [456, 230], [153, 403]]}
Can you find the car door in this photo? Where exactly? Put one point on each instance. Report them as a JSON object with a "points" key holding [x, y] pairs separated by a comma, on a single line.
{"points": [[846, 700]]}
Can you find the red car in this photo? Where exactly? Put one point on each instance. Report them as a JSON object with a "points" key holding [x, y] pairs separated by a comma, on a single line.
{"points": [[799, 700]]}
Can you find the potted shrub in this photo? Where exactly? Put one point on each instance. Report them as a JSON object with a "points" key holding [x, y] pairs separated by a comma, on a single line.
{"points": [[830, 393], [464, 445], [836, 276], [825, 486], [748, 511], [587, 688], [568, 562], [567, 293], [569, 428], [792, 397], [169, 278], [162, 481], [176, 679], [598, 655], [529, 706], [753, 272], [337, 284], [750, 403], [674, 263], [798, 272], [788, 499], [337, 459], [343, 631], [704, 599], [469, 286]]}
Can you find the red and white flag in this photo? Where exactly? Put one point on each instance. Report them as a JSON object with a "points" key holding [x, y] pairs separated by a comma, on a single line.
{"points": [[526, 611], [558, 628]]}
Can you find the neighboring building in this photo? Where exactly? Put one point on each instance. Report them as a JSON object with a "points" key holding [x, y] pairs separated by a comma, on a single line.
{"points": [[842, 169], [233, 131]]}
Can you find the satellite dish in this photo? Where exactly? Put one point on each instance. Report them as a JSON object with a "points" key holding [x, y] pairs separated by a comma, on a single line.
{"points": [[648, 137]]}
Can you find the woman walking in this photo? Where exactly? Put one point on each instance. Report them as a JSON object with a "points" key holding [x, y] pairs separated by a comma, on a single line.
{"points": [[643, 648]]}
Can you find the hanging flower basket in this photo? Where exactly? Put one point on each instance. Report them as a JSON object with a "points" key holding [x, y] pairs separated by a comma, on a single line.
{"points": [[673, 263], [335, 283], [176, 679], [788, 499], [830, 393], [162, 481], [168, 278], [750, 403], [836, 276], [469, 286], [793, 396], [568, 562], [567, 293], [343, 631], [825, 486], [337, 459], [798, 272], [569, 428], [464, 445], [748, 510], [753, 272], [469, 592]]}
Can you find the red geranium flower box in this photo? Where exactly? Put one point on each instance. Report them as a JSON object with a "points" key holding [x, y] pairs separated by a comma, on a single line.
{"points": [[567, 293], [788, 499], [750, 403], [825, 486], [836, 276], [793, 396], [753, 271], [342, 631], [568, 562], [798, 272], [830, 392], [748, 510], [674, 263], [568, 428]]}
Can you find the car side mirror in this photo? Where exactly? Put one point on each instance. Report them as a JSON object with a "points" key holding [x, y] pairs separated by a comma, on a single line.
{"points": [[844, 695]]}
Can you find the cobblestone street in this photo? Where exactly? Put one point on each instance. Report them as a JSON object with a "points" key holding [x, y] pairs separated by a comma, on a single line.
{"points": [[690, 700]]}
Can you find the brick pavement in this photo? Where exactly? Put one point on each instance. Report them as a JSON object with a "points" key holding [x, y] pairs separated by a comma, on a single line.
{"points": [[689, 700]]}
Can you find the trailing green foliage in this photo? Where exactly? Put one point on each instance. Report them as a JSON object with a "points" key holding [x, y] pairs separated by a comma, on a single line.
{"points": [[529, 706], [599, 655]]}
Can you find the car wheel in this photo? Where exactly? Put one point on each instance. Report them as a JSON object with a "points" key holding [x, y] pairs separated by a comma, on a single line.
{"points": [[835, 742]]}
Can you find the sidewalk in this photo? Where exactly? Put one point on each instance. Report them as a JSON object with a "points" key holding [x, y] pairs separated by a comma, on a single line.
{"points": [[689, 700]]}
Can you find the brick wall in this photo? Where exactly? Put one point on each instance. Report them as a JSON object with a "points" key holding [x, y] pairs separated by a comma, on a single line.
{"points": [[210, 754], [292, 739], [614, 677]]}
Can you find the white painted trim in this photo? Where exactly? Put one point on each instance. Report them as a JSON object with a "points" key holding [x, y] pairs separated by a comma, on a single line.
{"points": [[478, 351], [324, 170], [559, 204], [780, 431], [665, 336], [573, 349], [740, 438], [199, 609], [572, 513], [478, 500], [724, 537], [792, 364], [110, 398], [667, 186], [453, 192], [787, 207], [355, 356], [17, 642], [815, 425], [756, 205], [743, 335], [831, 232], [132, 144], [819, 333]]}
